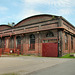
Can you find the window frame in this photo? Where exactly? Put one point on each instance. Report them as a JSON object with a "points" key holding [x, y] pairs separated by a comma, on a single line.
{"points": [[66, 41], [32, 42], [49, 34], [71, 43]]}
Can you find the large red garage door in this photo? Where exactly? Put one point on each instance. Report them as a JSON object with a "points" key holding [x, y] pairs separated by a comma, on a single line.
{"points": [[49, 49]]}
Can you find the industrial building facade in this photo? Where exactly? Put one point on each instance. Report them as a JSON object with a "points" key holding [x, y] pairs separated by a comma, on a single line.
{"points": [[41, 35]]}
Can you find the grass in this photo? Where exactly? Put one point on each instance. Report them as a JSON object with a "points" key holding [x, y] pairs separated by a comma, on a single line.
{"points": [[67, 56]]}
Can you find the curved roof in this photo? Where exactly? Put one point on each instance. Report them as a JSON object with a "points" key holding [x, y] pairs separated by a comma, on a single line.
{"points": [[31, 17], [3, 27]]}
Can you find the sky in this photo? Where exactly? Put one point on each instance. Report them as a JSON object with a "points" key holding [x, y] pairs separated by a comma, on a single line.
{"points": [[17, 10]]}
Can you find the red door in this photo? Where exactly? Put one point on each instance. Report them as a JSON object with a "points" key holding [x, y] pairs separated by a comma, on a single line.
{"points": [[0, 51], [49, 49]]}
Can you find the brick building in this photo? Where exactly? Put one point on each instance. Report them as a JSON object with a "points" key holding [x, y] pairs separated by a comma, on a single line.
{"points": [[44, 35]]}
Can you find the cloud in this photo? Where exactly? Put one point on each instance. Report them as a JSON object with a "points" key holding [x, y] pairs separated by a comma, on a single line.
{"points": [[49, 2], [34, 7], [64, 11], [2, 8], [61, 7], [36, 1], [28, 12], [5, 19]]}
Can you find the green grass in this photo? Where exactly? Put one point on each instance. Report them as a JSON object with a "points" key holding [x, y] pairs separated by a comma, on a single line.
{"points": [[67, 56]]}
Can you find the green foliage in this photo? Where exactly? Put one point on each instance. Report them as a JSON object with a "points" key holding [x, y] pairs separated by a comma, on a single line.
{"points": [[53, 17], [11, 24], [67, 56]]}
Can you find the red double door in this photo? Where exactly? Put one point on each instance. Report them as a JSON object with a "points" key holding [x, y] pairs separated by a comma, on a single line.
{"points": [[49, 49]]}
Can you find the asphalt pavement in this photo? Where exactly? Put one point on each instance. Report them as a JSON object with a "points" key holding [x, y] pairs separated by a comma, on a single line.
{"points": [[66, 68], [23, 65]]}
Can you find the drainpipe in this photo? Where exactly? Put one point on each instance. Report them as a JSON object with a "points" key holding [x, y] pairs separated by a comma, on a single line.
{"points": [[38, 43], [58, 43], [14, 43], [60, 24]]}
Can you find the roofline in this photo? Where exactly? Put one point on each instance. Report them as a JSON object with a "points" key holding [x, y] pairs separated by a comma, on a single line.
{"points": [[5, 25], [41, 15], [46, 15], [67, 21], [35, 16]]}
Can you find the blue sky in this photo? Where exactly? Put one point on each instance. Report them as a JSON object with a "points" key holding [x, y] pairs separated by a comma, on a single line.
{"points": [[17, 10]]}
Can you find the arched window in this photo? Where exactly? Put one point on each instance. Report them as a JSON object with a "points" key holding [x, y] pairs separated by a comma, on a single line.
{"points": [[11, 45], [0, 43], [49, 34], [3, 42], [18, 42], [66, 41], [32, 41], [6, 42], [71, 43]]}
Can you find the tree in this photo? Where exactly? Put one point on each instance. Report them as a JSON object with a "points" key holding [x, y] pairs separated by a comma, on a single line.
{"points": [[11, 24]]}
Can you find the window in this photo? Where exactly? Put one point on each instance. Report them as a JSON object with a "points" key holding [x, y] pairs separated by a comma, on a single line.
{"points": [[66, 41], [11, 42], [0, 43], [3, 42], [71, 43], [49, 34], [32, 41], [18, 42], [7, 43]]}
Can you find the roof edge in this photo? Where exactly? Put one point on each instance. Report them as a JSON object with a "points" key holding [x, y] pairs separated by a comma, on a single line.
{"points": [[67, 21], [35, 16], [5, 25]]}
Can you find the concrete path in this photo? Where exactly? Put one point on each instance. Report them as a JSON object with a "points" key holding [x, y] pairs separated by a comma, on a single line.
{"points": [[66, 68], [27, 64]]}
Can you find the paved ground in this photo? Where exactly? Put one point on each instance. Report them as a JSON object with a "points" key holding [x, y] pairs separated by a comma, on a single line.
{"points": [[27, 64], [66, 68]]}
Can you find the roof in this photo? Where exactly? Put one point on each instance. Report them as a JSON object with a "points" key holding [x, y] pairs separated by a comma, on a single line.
{"points": [[34, 17], [45, 15], [5, 25], [38, 16]]}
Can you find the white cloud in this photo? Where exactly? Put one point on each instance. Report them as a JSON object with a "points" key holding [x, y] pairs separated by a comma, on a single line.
{"points": [[64, 11], [3, 8], [28, 13], [5, 20], [36, 1], [63, 7], [49, 2]]}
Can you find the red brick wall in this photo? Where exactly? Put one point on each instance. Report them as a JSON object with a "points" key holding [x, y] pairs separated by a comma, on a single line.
{"points": [[43, 28], [74, 44], [68, 27], [69, 30], [38, 42], [69, 44]]}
